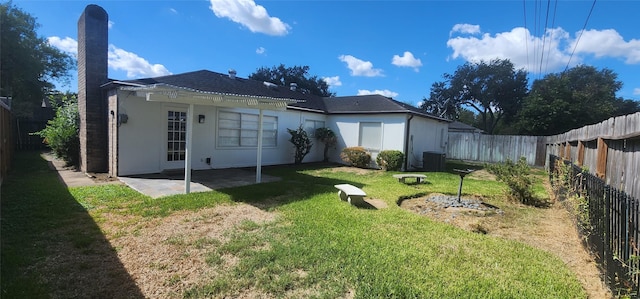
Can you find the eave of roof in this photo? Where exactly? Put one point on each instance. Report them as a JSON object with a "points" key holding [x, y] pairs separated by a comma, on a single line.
{"points": [[205, 84], [373, 104], [168, 93]]}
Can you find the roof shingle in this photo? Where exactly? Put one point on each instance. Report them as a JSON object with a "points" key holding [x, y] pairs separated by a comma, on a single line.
{"points": [[208, 81]]}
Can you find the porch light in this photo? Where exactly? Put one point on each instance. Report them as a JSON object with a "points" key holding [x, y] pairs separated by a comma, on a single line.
{"points": [[201, 118]]}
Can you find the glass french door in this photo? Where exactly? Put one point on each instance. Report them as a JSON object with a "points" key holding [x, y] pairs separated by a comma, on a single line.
{"points": [[176, 138]]}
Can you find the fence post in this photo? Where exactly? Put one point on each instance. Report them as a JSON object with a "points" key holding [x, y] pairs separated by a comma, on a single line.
{"points": [[609, 250]]}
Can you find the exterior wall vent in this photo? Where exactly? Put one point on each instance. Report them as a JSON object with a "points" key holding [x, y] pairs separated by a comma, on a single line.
{"points": [[232, 73]]}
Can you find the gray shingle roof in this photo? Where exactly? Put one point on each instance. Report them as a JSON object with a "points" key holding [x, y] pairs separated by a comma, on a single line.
{"points": [[369, 104], [457, 126], [208, 81]]}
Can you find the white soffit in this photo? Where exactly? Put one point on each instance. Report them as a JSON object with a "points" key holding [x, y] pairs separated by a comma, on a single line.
{"points": [[175, 94]]}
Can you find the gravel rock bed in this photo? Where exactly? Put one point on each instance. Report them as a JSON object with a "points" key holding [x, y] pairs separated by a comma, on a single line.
{"points": [[447, 201]]}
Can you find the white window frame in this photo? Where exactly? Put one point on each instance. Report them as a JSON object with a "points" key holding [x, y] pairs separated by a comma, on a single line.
{"points": [[245, 126], [175, 135], [311, 125], [363, 128]]}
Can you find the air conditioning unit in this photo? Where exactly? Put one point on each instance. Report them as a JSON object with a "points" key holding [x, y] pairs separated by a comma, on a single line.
{"points": [[433, 161]]}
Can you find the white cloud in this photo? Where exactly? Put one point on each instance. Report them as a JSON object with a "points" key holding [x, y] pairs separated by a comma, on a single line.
{"points": [[407, 60], [547, 53], [134, 65], [173, 11], [110, 24], [260, 50], [360, 67], [465, 28], [514, 45], [67, 44], [118, 59], [608, 43], [386, 92], [250, 15], [332, 81], [636, 91]]}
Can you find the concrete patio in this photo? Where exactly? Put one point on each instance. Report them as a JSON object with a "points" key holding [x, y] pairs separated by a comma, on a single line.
{"points": [[172, 183], [161, 184]]}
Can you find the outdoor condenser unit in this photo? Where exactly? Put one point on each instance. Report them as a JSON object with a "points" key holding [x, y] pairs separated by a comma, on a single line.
{"points": [[432, 161]]}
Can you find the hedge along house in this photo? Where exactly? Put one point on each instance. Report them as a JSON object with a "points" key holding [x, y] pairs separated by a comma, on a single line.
{"points": [[207, 120]]}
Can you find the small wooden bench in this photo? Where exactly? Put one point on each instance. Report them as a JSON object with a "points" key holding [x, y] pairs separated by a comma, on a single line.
{"points": [[350, 193], [401, 177]]}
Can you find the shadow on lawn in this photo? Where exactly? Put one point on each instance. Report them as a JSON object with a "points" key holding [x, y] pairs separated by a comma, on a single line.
{"points": [[51, 247], [293, 186]]}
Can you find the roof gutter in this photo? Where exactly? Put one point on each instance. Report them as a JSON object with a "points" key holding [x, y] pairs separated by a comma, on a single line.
{"points": [[406, 142]]}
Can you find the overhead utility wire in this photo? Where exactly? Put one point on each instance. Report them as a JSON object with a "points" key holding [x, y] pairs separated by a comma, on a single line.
{"points": [[553, 24], [535, 34], [526, 30], [579, 36], [544, 38]]}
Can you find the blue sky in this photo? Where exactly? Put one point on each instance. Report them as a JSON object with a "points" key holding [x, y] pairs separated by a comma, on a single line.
{"points": [[395, 48]]}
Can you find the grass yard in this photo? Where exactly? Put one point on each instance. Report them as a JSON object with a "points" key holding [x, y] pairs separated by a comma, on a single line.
{"points": [[287, 239]]}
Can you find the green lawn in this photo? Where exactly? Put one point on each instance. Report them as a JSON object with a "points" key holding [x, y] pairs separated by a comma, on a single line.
{"points": [[319, 247]]}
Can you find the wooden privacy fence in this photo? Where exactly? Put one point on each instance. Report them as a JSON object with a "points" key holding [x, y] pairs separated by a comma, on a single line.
{"points": [[6, 139], [24, 137], [610, 150], [495, 148]]}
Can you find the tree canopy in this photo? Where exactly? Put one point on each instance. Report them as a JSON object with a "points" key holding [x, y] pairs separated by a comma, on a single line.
{"points": [[577, 97], [28, 64], [284, 76], [495, 90]]}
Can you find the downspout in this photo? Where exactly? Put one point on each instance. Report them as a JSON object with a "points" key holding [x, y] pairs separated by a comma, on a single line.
{"points": [[406, 142]]}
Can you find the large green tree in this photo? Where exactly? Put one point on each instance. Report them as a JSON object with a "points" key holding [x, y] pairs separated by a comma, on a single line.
{"points": [[284, 76], [494, 89], [28, 64], [580, 96]]}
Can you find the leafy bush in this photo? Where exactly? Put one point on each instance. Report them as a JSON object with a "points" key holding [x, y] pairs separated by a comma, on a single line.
{"points": [[356, 156], [62, 132], [390, 160], [328, 137], [516, 176], [301, 142]]}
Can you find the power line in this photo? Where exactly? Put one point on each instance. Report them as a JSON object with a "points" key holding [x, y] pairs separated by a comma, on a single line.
{"points": [[579, 36], [544, 38], [535, 33], [526, 37], [553, 24]]}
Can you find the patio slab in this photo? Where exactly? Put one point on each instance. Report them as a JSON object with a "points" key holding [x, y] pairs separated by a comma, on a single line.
{"points": [[165, 184], [162, 184]]}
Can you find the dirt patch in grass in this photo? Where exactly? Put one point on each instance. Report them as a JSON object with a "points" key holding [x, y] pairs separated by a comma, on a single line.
{"points": [[355, 170], [162, 257], [550, 229], [482, 174], [167, 256]]}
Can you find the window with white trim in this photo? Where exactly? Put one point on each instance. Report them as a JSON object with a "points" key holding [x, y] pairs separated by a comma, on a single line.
{"points": [[241, 130], [310, 126]]}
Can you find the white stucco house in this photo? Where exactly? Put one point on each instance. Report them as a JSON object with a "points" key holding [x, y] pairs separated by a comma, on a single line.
{"points": [[207, 120], [152, 118]]}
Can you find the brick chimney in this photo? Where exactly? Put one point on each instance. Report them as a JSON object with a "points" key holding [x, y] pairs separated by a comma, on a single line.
{"points": [[92, 102]]}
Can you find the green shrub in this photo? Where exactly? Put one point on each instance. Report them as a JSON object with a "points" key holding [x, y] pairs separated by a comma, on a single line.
{"points": [[328, 137], [356, 156], [390, 160], [516, 176], [62, 132], [301, 142]]}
